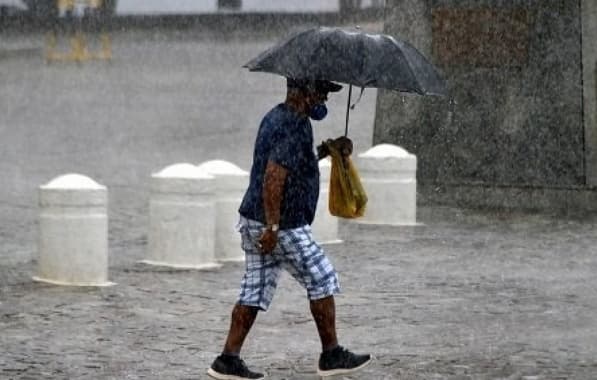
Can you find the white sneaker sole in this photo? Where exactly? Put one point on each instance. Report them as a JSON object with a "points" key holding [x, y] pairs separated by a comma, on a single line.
{"points": [[220, 376], [334, 372]]}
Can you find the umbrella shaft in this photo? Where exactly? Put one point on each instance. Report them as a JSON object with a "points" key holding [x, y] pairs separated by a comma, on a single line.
{"points": [[348, 109]]}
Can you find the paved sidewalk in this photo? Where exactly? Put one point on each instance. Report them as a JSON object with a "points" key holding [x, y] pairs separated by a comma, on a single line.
{"points": [[466, 296]]}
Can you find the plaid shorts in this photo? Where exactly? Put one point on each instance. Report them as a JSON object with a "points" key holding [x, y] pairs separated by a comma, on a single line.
{"points": [[296, 252]]}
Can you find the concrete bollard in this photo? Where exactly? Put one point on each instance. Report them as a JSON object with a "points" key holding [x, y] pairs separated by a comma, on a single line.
{"points": [[182, 218], [388, 174], [73, 232], [231, 184], [325, 225]]}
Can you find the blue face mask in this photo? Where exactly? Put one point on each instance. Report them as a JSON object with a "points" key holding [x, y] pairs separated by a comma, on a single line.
{"points": [[318, 112]]}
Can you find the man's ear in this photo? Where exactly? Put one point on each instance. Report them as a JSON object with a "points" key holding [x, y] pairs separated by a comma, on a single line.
{"points": [[312, 97]]}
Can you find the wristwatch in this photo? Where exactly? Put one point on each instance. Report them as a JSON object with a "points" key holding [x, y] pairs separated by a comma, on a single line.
{"points": [[273, 227]]}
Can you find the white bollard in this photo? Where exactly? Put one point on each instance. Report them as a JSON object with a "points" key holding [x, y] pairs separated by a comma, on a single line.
{"points": [[325, 225], [73, 232], [231, 184], [388, 174], [182, 218]]}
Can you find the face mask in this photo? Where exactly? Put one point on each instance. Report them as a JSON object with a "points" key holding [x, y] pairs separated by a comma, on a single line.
{"points": [[318, 112]]}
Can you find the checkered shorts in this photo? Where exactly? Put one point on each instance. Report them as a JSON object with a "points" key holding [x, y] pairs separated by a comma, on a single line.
{"points": [[296, 252]]}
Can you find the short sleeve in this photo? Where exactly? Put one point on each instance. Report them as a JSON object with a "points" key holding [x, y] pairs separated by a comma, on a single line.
{"points": [[285, 149]]}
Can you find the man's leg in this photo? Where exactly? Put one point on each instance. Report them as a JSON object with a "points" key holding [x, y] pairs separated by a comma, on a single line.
{"points": [[257, 289], [305, 260], [324, 314], [240, 324], [229, 365], [334, 359]]}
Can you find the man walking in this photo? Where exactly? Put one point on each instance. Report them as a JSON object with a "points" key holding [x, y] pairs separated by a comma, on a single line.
{"points": [[276, 213]]}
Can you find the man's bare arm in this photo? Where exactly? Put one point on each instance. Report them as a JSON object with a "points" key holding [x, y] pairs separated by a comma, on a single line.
{"points": [[273, 191]]}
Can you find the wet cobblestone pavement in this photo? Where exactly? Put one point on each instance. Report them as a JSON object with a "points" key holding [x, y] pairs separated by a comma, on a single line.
{"points": [[465, 296]]}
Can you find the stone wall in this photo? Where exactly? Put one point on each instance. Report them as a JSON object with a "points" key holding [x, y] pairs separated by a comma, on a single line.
{"points": [[515, 121]]}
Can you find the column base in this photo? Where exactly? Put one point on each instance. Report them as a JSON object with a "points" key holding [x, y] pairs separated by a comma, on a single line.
{"points": [[181, 266], [65, 283]]}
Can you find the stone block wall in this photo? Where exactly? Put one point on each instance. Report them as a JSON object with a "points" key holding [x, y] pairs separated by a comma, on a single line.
{"points": [[519, 117]]}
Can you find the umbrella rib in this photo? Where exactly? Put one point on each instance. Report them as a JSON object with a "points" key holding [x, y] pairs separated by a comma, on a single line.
{"points": [[396, 45]]}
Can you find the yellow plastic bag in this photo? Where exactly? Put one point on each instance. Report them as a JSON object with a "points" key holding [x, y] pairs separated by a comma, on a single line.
{"points": [[347, 198]]}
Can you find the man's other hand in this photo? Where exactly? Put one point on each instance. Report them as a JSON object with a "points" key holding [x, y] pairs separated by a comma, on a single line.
{"points": [[268, 241], [342, 144]]}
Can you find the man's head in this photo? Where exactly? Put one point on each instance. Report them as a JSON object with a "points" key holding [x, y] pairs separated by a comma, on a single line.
{"points": [[310, 95]]}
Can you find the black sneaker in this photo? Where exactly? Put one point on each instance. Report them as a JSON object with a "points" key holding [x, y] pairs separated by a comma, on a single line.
{"points": [[231, 368], [341, 361]]}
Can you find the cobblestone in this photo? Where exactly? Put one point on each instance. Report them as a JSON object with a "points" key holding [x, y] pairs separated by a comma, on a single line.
{"points": [[469, 297]]}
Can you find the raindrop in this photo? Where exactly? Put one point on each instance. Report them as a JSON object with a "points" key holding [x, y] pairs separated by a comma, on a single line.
{"points": [[450, 116], [452, 104]]}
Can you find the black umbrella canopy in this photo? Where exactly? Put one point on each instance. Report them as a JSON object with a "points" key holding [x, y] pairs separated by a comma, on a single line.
{"points": [[352, 57]]}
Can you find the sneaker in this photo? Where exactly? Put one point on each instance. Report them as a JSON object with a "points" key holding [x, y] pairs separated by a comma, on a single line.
{"points": [[231, 368], [341, 361]]}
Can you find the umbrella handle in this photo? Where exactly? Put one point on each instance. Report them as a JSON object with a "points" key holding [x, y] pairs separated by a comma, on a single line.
{"points": [[348, 110]]}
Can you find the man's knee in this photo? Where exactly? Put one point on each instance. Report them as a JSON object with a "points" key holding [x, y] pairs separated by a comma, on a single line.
{"points": [[245, 310]]}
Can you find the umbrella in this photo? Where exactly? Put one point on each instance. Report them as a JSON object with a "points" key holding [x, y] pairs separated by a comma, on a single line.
{"points": [[352, 57]]}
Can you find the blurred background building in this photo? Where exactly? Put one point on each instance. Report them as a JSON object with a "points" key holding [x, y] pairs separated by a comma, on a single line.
{"points": [[47, 9]]}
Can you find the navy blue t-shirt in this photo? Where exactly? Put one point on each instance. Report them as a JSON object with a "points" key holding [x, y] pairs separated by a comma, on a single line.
{"points": [[286, 138]]}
